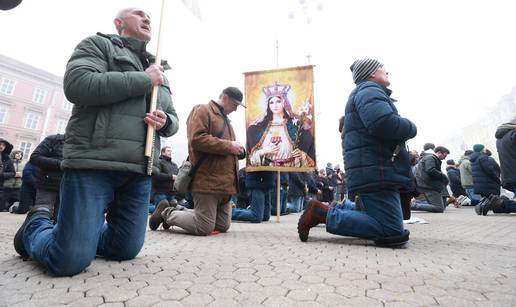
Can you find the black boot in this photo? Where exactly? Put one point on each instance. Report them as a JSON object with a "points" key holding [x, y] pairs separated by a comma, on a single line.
{"points": [[35, 212], [394, 241]]}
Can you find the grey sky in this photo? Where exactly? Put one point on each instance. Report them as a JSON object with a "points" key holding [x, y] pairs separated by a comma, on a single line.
{"points": [[448, 60]]}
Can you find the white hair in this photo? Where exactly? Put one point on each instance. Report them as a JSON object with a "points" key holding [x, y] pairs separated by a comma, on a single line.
{"points": [[121, 14]]}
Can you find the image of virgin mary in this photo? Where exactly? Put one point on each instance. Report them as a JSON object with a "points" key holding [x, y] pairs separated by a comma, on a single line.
{"points": [[281, 138]]}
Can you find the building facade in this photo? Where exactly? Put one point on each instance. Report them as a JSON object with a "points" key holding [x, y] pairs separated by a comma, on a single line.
{"points": [[32, 104]]}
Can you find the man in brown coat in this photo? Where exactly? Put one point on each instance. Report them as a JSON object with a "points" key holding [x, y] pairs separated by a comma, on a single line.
{"points": [[216, 178]]}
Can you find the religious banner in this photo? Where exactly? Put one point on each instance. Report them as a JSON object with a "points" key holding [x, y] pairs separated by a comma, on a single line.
{"points": [[280, 121]]}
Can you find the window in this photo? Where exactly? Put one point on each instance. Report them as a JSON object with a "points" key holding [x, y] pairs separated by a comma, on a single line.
{"points": [[61, 126], [25, 148], [31, 121], [67, 106], [3, 114], [39, 95], [7, 86]]}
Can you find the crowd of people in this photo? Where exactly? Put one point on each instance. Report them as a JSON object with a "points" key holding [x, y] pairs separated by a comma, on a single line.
{"points": [[87, 192]]}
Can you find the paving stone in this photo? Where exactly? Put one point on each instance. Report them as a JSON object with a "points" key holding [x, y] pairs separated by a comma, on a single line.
{"points": [[302, 295], [454, 301], [224, 303], [330, 299], [458, 259], [195, 300], [225, 283], [143, 300], [87, 301], [224, 293], [174, 294], [311, 279], [279, 301], [395, 286]]}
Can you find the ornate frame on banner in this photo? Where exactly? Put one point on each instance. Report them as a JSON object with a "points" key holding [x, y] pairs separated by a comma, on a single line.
{"points": [[280, 122]]}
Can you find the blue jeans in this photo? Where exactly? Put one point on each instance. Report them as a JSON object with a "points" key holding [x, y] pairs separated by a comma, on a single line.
{"points": [[296, 204], [475, 198], [159, 197], [260, 210], [283, 200], [346, 205], [81, 232], [382, 218]]}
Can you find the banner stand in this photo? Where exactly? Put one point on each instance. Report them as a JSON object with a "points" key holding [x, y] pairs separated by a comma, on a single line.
{"points": [[278, 196]]}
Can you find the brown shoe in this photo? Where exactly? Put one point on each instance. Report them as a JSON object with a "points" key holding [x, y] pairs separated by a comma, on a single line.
{"points": [[314, 214], [156, 219], [173, 204]]}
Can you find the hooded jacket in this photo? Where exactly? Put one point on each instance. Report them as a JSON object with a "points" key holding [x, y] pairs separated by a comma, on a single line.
{"points": [[6, 164], [486, 174], [506, 147]]}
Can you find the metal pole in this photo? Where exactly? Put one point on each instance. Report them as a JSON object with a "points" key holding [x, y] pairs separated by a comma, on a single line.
{"points": [[277, 53], [278, 197]]}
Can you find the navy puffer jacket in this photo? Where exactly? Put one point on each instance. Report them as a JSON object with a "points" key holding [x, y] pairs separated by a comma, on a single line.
{"points": [[374, 141], [486, 174], [506, 146]]}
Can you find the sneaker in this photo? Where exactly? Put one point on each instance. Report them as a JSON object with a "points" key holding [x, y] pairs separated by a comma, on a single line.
{"points": [[479, 207], [314, 214], [14, 207], [464, 201], [36, 211], [486, 204], [460, 200], [156, 219]]}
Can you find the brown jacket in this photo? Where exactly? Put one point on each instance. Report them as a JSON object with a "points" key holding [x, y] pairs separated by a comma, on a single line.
{"points": [[218, 172]]}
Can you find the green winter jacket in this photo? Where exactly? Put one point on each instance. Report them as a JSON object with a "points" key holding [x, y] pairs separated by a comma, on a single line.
{"points": [[106, 82]]}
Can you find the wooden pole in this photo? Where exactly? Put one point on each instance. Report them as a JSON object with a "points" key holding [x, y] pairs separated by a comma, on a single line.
{"points": [[149, 141], [278, 197]]}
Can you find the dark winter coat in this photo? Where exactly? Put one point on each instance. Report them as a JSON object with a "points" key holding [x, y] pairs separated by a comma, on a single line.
{"points": [[6, 164], [15, 182], [455, 184], [311, 181], [106, 81], [324, 185], [374, 141], [163, 182], [486, 174], [506, 146], [30, 174], [48, 157], [259, 180], [296, 186], [429, 175]]}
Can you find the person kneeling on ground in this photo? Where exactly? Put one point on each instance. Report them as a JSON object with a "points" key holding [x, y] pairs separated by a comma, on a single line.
{"points": [[211, 146], [376, 161], [259, 188]]}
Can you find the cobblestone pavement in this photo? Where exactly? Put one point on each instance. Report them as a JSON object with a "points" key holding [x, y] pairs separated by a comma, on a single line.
{"points": [[459, 259]]}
